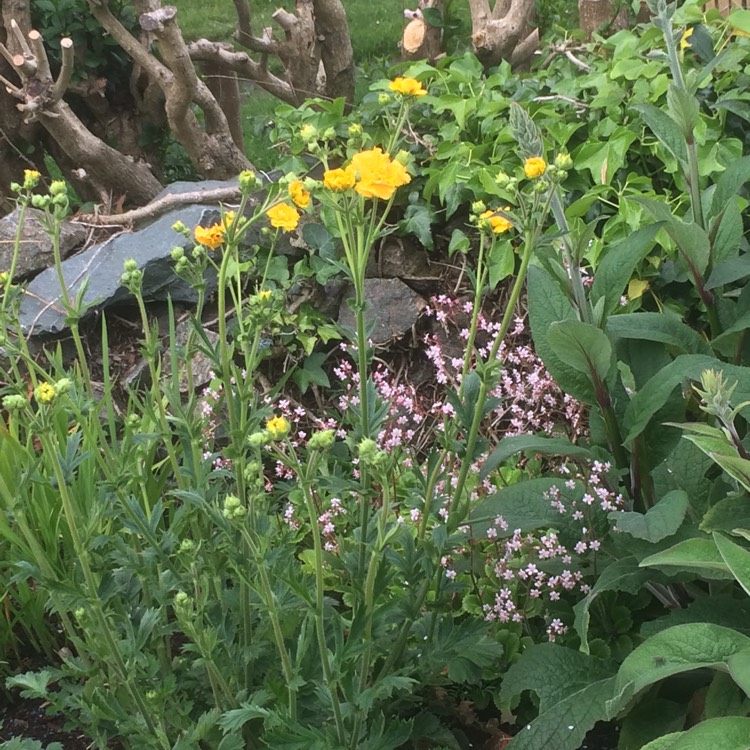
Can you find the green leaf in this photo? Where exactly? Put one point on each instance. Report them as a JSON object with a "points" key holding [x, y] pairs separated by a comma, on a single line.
{"points": [[604, 159], [433, 17], [573, 689], [727, 733], [583, 347], [662, 327], [684, 108], [618, 264], [681, 648], [547, 305], [729, 513], [665, 129], [737, 559], [659, 522], [548, 446], [727, 238], [525, 506], [501, 262], [312, 372], [724, 697], [739, 669], [650, 719], [699, 554], [552, 672], [418, 220], [655, 393], [729, 183], [621, 575], [31, 684], [384, 687], [691, 239]]}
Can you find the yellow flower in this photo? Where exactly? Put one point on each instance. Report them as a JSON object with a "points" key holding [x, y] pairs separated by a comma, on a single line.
{"points": [[265, 295], [44, 393], [377, 174], [685, 41], [30, 178], [498, 224], [227, 220], [211, 237], [300, 197], [338, 180], [283, 216], [534, 167], [278, 427], [407, 87]]}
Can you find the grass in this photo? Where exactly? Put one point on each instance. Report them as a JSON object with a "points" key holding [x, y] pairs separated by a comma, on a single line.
{"points": [[375, 33]]}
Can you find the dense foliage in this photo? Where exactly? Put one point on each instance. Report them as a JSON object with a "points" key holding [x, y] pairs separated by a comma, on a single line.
{"points": [[559, 536]]}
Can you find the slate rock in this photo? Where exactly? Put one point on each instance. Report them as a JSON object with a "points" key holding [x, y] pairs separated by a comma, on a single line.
{"points": [[101, 268], [392, 306], [36, 252]]}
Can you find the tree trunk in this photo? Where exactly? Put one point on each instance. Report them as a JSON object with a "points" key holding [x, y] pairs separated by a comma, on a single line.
{"points": [[336, 51], [602, 15], [421, 40], [505, 32]]}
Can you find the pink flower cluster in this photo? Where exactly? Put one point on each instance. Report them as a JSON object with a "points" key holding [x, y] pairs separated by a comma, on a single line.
{"points": [[529, 400]]}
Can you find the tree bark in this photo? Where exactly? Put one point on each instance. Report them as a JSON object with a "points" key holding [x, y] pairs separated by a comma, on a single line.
{"points": [[498, 31], [210, 147], [337, 55]]}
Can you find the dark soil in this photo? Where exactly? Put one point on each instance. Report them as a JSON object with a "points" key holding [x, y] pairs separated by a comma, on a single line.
{"points": [[29, 719]]}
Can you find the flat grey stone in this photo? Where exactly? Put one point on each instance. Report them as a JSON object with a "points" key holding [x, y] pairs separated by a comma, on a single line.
{"points": [[36, 251], [393, 307], [101, 267]]}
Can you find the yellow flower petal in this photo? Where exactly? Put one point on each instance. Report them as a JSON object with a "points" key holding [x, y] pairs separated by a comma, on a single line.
{"points": [[283, 216]]}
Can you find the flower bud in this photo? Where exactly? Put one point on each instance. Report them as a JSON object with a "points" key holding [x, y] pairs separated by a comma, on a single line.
{"points": [[248, 181], [258, 439], [322, 440], [176, 253], [130, 264], [178, 226], [14, 402], [63, 386], [478, 207], [563, 161], [383, 99], [58, 187], [30, 179]]}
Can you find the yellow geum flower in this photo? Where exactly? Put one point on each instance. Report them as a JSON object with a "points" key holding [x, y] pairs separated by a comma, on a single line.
{"points": [[534, 167], [498, 224], [265, 295], [30, 178], [44, 393], [377, 174], [299, 195], [407, 87], [210, 237], [685, 41], [278, 427], [338, 180], [283, 216]]}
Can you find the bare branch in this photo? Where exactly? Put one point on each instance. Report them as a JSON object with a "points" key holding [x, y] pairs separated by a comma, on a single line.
{"points": [[219, 195], [40, 54], [66, 70], [22, 43]]}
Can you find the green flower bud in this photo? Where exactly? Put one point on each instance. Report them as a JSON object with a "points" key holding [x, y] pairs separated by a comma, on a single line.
{"points": [[248, 181], [322, 440], [64, 385], [14, 402], [502, 179], [41, 201], [178, 226], [187, 545], [563, 161], [58, 188], [176, 253], [367, 449], [181, 599], [478, 207], [259, 439], [130, 264], [383, 99]]}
